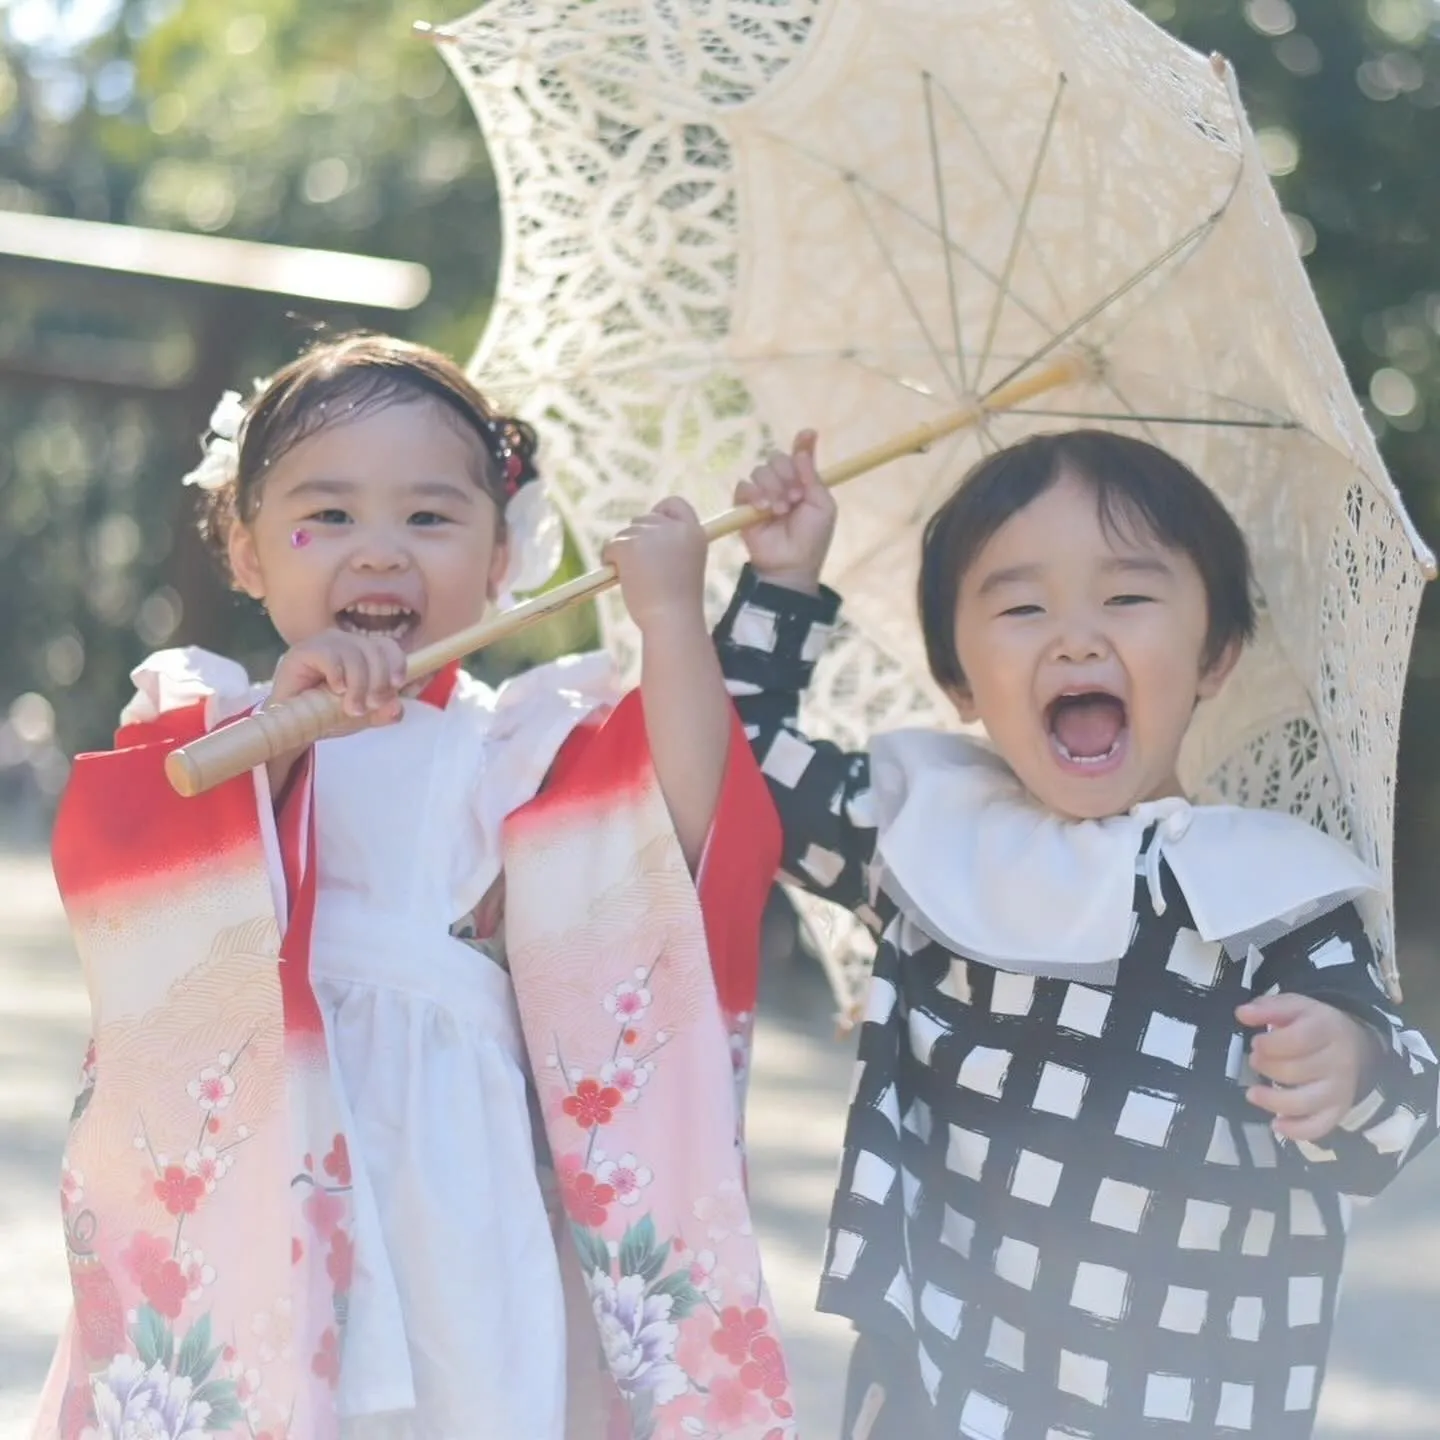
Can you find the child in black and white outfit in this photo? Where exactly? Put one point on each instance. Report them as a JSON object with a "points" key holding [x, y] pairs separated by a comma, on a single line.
{"points": [[1126, 1059]]}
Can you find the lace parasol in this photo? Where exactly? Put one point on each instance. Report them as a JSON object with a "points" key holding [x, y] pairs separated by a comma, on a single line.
{"points": [[725, 219]]}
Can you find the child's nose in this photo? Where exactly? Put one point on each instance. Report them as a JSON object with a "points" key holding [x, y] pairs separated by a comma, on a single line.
{"points": [[380, 551], [1079, 641]]}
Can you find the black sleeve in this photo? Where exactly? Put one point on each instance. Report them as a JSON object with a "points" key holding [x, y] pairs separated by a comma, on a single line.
{"points": [[1331, 959], [768, 642]]}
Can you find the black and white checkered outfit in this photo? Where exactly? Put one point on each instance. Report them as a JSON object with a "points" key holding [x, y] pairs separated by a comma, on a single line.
{"points": [[1057, 1211]]}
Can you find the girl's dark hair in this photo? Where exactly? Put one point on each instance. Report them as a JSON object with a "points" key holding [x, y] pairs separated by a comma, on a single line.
{"points": [[1135, 484], [341, 379]]}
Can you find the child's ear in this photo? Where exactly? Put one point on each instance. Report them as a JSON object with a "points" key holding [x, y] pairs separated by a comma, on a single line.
{"points": [[244, 561], [1213, 678], [963, 699]]}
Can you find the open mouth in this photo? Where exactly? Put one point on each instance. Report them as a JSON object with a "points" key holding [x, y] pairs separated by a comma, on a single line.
{"points": [[374, 617], [1088, 728]]}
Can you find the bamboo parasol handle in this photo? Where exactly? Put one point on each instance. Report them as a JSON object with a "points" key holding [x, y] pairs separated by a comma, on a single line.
{"points": [[264, 735]]}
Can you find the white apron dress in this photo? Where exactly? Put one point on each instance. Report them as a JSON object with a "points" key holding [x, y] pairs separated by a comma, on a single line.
{"points": [[456, 1323]]}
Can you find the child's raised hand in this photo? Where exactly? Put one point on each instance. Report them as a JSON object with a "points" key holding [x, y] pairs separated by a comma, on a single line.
{"points": [[789, 548], [660, 558], [366, 671], [1313, 1054]]}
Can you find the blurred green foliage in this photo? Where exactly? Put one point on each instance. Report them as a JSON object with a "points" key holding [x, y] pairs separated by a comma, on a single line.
{"points": [[324, 125]]}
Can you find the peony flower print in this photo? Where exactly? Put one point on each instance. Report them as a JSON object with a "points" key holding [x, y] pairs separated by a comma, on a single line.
{"points": [[638, 1338], [133, 1400]]}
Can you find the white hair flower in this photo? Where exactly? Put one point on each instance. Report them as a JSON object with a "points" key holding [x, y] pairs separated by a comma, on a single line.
{"points": [[537, 541], [220, 464], [226, 417]]}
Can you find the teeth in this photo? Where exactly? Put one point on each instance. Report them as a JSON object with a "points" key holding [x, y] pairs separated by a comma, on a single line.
{"points": [[377, 618], [1084, 759]]}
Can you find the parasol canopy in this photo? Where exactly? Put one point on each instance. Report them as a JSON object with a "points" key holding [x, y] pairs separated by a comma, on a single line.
{"points": [[725, 219]]}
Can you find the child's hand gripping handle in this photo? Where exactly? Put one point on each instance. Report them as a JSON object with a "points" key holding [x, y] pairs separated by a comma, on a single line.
{"points": [[283, 729], [254, 740]]}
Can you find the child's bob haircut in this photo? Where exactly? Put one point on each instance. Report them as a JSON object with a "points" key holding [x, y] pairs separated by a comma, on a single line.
{"points": [[1138, 488]]}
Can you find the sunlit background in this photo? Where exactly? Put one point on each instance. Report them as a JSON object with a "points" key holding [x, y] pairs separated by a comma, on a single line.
{"points": [[309, 126], [191, 189]]}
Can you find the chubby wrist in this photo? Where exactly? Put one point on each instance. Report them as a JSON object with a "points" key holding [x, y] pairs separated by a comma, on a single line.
{"points": [[802, 578], [680, 623]]}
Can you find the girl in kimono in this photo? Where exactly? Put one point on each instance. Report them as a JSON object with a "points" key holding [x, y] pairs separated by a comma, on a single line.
{"points": [[1127, 1060], [357, 1227]]}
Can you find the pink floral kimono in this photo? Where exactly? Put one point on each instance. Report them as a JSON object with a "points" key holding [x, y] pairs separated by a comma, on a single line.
{"points": [[207, 1198]]}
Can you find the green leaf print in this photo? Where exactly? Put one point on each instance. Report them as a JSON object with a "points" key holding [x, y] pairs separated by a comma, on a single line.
{"points": [[197, 1359], [154, 1343], [641, 1253], [593, 1251], [684, 1295], [224, 1402], [642, 1416]]}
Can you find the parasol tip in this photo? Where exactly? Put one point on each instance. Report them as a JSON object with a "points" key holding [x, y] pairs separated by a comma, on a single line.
{"points": [[1219, 64], [424, 30]]}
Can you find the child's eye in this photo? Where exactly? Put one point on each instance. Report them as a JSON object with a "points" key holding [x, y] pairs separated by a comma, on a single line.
{"points": [[330, 517], [1131, 600], [1019, 612], [429, 517]]}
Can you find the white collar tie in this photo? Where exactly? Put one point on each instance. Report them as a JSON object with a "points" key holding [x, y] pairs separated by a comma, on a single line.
{"points": [[1171, 818]]}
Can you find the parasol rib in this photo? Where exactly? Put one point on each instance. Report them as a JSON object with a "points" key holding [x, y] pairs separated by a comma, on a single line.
{"points": [[1030, 311], [911, 304], [942, 211], [998, 175], [1134, 418], [1022, 219], [1106, 301]]}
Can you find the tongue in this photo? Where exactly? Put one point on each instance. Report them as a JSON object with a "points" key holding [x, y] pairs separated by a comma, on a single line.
{"points": [[1089, 725]]}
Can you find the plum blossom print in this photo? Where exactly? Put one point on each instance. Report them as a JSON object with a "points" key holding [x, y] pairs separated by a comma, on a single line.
{"points": [[629, 1001], [626, 1177], [628, 1076], [591, 1105], [214, 1087], [208, 1165], [725, 1213], [691, 1350]]}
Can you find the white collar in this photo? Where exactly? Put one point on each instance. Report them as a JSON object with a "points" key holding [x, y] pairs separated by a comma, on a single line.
{"points": [[980, 866]]}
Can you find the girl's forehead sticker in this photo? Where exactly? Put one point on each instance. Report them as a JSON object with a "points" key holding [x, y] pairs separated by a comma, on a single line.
{"points": [[299, 539]]}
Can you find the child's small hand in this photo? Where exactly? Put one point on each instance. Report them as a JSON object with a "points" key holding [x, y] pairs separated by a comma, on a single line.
{"points": [[661, 562], [365, 671], [1314, 1056], [789, 549]]}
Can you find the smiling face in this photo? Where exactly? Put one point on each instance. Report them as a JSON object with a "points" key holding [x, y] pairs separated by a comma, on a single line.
{"points": [[376, 524], [1083, 648]]}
